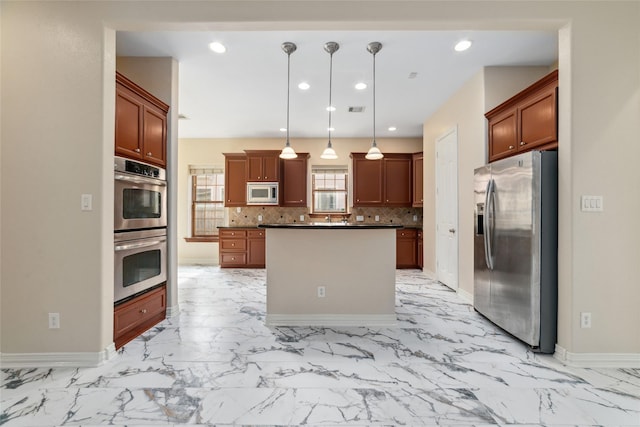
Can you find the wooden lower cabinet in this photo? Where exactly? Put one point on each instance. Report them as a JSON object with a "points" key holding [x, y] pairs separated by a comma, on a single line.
{"points": [[406, 248], [420, 251], [133, 317], [256, 248], [242, 247]]}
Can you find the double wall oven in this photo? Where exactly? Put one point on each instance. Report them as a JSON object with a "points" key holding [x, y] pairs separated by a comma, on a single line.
{"points": [[140, 227]]}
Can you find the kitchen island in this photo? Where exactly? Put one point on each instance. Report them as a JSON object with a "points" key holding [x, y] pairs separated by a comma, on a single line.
{"points": [[330, 274]]}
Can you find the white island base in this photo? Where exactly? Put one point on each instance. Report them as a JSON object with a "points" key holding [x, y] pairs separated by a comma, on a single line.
{"points": [[355, 266]]}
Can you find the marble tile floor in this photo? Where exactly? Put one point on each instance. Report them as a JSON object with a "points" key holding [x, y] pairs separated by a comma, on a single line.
{"points": [[216, 363]]}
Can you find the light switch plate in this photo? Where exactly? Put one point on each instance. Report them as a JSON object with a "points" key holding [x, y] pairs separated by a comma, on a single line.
{"points": [[591, 204], [359, 218], [86, 202]]}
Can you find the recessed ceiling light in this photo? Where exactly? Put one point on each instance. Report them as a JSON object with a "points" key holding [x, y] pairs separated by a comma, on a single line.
{"points": [[361, 86], [392, 128], [217, 47], [462, 45], [331, 108], [283, 129], [304, 86]]}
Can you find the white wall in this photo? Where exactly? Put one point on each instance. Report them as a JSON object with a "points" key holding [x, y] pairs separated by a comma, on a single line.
{"points": [[57, 118], [209, 152]]}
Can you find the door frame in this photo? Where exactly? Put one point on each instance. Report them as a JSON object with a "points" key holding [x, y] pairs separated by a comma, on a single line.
{"points": [[438, 196]]}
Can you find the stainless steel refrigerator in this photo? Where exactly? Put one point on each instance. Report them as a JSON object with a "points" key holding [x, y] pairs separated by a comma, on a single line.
{"points": [[516, 246]]}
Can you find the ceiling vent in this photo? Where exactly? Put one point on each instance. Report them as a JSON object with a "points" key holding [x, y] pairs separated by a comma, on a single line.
{"points": [[356, 109]]}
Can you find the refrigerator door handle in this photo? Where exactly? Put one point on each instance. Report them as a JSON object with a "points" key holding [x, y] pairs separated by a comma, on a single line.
{"points": [[488, 223]]}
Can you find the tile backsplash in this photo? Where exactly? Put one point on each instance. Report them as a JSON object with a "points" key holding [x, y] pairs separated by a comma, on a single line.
{"points": [[249, 215]]}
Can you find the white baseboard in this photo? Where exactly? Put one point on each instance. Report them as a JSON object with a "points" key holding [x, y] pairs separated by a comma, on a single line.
{"points": [[198, 261], [597, 360], [375, 320], [466, 296], [57, 360]]}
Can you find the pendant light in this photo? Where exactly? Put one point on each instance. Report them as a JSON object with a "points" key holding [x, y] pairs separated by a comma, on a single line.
{"points": [[329, 153], [287, 151], [374, 152]]}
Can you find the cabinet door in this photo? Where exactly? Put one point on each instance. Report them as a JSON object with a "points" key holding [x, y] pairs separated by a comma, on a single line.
{"points": [[256, 243], [294, 181], [254, 168], [128, 133], [538, 119], [271, 168], [418, 176], [503, 135], [406, 249], [367, 181], [397, 181], [235, 186], [154, 136], [420, 251]]}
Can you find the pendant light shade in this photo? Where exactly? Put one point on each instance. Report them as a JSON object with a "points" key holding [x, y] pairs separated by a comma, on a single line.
{"points": [[329, 153], [374, 152], [288, 152]]}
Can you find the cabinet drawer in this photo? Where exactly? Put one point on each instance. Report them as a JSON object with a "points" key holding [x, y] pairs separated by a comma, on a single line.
{"points": [[133, 317], [233, 244], [256, 234], [226, 232], [406, 233], [232, 259]]}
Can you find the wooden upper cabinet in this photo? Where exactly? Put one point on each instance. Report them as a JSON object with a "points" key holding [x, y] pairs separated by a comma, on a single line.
{"points": [[397, 180], [368, 185], [141, 123], [263, 165], [235, 172], [418, 180], [294, 181], [526, 121], [385, 182]]}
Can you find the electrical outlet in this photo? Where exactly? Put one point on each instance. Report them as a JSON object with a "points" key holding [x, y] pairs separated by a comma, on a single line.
{"points": [[321, 292], [238, 209], [415, 218], [377, 217], [259, 218], [301, 218], [54, 320], [585, 320], [359, 218]]}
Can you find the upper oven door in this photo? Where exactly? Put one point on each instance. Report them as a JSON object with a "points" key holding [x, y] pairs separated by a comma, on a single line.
{"points": [[139, 202]]}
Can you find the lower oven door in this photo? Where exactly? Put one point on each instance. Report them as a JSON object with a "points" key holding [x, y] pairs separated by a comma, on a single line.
{"points": [[140, 261], [139, 202]]}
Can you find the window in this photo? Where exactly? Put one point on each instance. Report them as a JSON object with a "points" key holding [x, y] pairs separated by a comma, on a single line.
{"points": [[207, 202], [329, 190]]}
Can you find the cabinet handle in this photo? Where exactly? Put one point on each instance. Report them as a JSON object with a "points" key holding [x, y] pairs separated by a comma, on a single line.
{"points": [[149, 154], [233, 258], [143, 311], [511, 147], [233, 244], [137, 150], [522, 143]]}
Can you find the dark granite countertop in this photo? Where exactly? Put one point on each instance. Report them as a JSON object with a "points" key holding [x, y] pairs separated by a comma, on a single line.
{"points": [[238, 226], [332, 225]]}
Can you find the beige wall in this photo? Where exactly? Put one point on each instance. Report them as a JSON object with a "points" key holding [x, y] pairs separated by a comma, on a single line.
{"points": [[465, 111], [209, 152], [57, 118]]}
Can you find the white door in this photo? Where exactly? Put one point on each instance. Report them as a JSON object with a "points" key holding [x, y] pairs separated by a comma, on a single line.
{"points": [[447, 208]]}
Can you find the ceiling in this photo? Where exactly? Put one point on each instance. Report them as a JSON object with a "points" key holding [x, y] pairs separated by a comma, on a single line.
{"points": [[243, 92]]}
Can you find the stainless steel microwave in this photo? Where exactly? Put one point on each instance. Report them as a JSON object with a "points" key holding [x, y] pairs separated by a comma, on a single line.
{"points": [[262, 193]]}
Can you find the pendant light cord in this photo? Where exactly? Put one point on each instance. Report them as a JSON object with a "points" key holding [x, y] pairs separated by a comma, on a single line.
{"points": [[374, 97], [288, 89], [330, 87]]}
